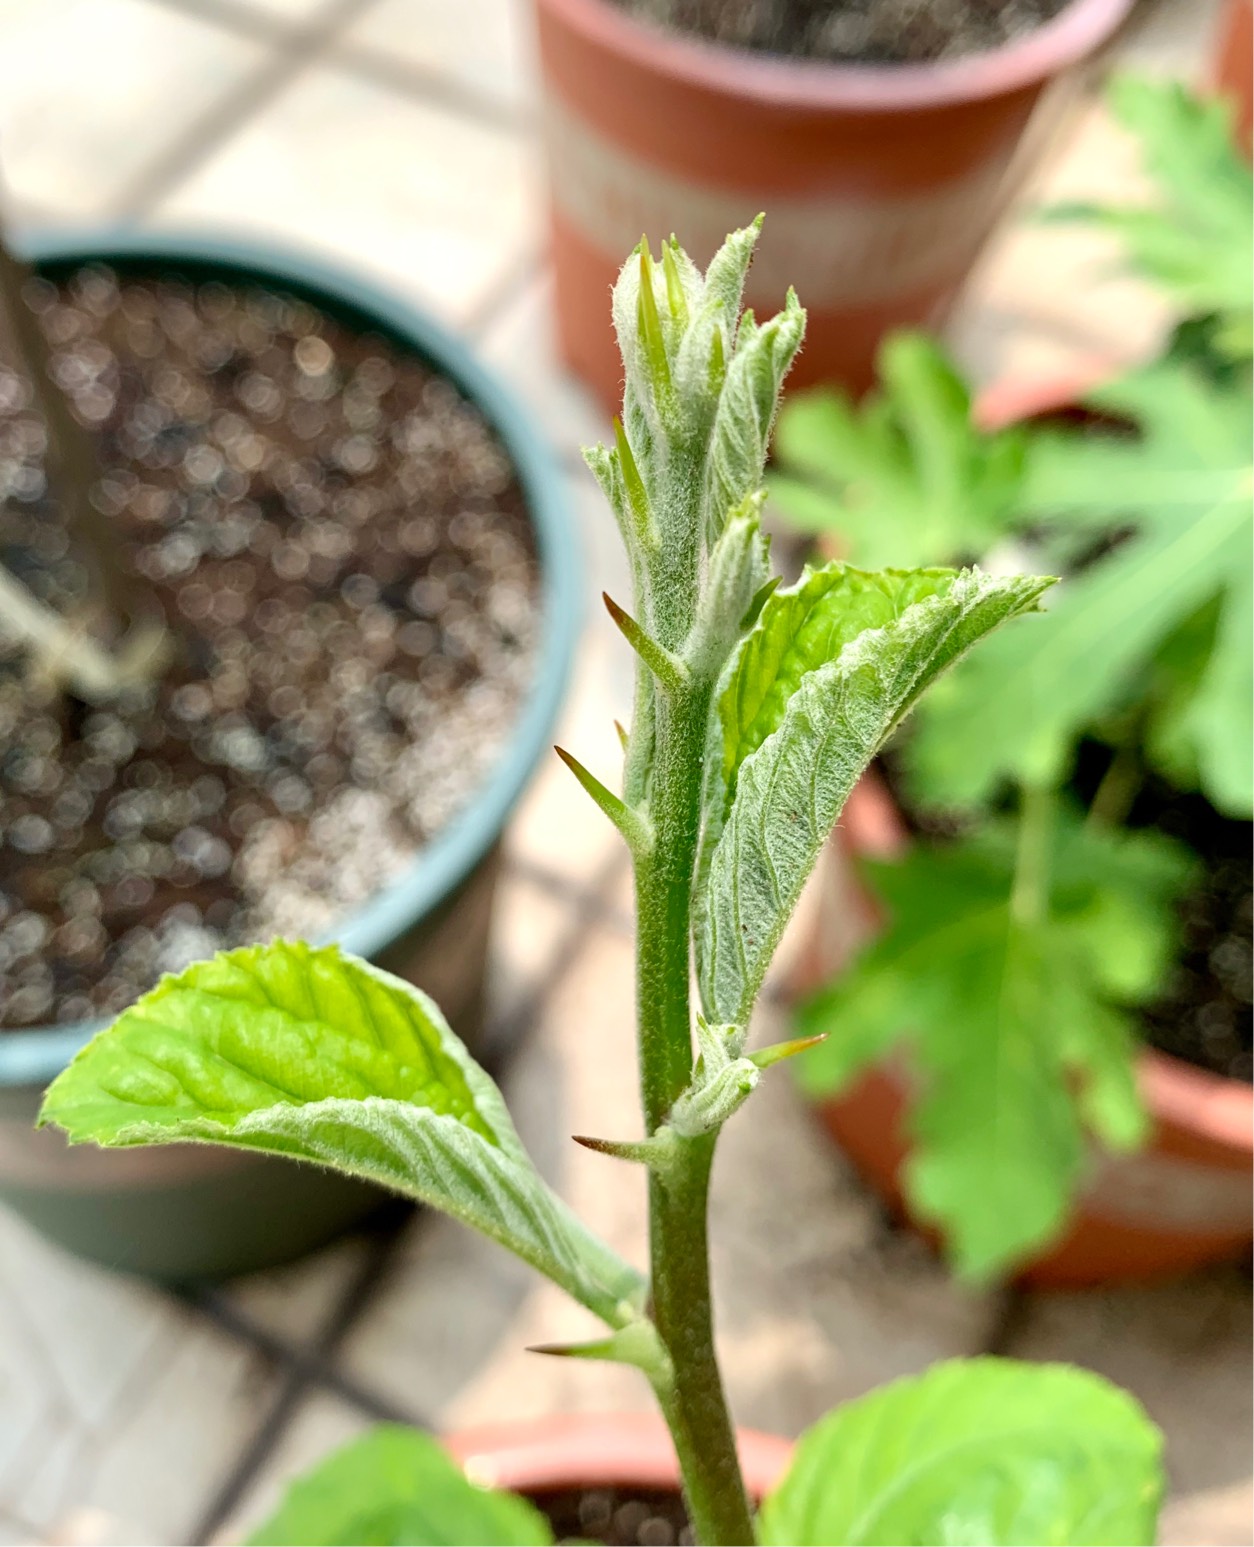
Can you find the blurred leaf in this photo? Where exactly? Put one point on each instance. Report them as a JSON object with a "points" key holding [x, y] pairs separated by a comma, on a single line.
{"points": [[1198, 241], [975, 1453], [395, 1487], [1017, 708], [1018, 1032], [904, 478]]}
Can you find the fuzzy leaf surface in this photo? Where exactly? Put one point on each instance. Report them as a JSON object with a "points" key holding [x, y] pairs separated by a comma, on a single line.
{"points": [[1021, 1036], [824, 677], [1017, 708], [905, 476], [397, 1487], [305, 1052], [975, 1453]]}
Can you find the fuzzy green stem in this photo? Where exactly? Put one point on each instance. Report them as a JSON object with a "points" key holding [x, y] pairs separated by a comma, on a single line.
{"points": [[695, 1408]]}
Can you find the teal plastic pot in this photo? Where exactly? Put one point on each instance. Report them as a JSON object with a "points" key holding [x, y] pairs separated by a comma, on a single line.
{"points": [[194, 1211]]}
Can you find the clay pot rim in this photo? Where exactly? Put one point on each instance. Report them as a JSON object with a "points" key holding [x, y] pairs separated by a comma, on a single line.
{"points": [[1079, 28], [573, 1450]]}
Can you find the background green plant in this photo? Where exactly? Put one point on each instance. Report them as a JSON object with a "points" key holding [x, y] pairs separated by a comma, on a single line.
{"points": [[1017, 953], [756, 711]]}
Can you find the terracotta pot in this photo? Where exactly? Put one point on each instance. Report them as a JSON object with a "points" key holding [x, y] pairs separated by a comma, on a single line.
{"points": [[1182, 1201], [1234, 66], [880, 183], [594, 1450]]}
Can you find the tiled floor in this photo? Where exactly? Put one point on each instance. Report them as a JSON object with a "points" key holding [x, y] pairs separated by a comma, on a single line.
{"points": [[395, 135]]}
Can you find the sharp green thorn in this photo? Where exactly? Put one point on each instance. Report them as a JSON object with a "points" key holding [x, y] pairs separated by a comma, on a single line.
{"points": [[629, 823], [675, 297], [781, 1050], [623, 738], [637, 497], [650, 326], [670, 672]]}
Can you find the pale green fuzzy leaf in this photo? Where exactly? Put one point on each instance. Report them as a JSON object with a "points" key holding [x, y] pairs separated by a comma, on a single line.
{"points": [[904, 476], [305, 1052], [791, 787], [739, 567], [1016, 709], [975, 1453], [746, 411], [397, 1487], [1020, 1034]]}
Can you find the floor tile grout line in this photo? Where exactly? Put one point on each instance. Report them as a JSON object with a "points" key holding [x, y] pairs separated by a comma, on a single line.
{"points": [[403, 79], [296, 1382], [225, 117]]}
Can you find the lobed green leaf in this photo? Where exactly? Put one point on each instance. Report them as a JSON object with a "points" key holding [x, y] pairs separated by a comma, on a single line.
{"points": [[305, 1052]]}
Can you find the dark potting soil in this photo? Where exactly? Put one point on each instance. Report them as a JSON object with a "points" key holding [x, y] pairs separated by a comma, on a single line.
{"points": [[1204, 1015], [853, 31], [616, 1517], [343, 555]]}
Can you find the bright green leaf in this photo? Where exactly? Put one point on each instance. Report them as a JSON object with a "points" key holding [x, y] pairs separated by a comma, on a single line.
{"points": [[975, 1453], [396, 1487], [1017, 708], [817, 686], [1019, 1033], [904, 477], [305, 1052]]}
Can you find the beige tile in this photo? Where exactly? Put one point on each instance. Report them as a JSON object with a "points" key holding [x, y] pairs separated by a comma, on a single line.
{"points": [[1170, 37], [482, 46], [1052, 302], [1213, 1517], [320, 1425], [92, 90], [1184, 1349], [121, 1412], [528, 929], [521, 345], [441, 208], [296, 1301]]}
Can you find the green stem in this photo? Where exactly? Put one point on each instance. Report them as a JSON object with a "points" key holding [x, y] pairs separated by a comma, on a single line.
{"points": [[695, 1407], [1118, 788], [1029, 900]]}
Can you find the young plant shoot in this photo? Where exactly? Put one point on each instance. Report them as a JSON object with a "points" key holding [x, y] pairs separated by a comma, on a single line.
{"points": [[756, 710]]}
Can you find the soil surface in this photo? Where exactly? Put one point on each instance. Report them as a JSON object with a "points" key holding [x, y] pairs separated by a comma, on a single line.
{"points": [[853, 31], [616, 1517], [343, 555]]}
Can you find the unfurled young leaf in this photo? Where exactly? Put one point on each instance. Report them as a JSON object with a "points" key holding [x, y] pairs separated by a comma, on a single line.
{"points": [[1184, 487], [904, 477], [826, 674], [975, 1453], [1019, 1030], [305, 1052], [1197, 240], [396, 1487]]}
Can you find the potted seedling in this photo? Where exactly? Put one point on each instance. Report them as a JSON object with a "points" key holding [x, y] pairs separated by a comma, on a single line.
{"points": [[756, 710], [1071, 919], [287, 606], [882, 138]]}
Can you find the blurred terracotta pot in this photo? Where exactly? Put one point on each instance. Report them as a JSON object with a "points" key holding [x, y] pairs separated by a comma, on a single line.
{"points": [[880, 182], [593, 1450], [1183, 1201], [1234, 65]]}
